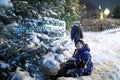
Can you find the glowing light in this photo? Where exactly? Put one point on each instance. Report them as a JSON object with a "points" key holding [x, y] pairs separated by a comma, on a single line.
{"points": [[106, 12], [101, 16], [100, 7]]}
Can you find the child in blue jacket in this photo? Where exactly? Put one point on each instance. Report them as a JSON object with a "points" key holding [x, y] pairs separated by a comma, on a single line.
{"points": [[80, 64]]}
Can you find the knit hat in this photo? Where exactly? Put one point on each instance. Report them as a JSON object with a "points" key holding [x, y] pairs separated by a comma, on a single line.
{"points": [[81, 41]]}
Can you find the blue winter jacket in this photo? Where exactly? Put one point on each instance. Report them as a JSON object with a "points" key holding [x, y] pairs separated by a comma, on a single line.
{"points": [[83, 60]]}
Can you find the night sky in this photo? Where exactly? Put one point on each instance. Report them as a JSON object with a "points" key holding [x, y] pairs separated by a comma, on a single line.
{"points": [[110, 4]]}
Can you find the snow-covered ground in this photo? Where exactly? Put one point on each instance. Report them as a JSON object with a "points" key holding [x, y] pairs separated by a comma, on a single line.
{"points": [[105, 51]]}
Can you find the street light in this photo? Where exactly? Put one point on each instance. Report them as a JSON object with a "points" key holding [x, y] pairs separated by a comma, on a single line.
{"points": [[106, 12], [100, 7], [101, 13], [101, 16]]}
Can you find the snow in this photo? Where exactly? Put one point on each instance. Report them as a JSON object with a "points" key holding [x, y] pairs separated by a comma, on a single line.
{"points": [[54, 27], [6, 3], [44, 36], [3, 65], [105, 51], [53, 13], [61, 58], [35, 39], [25, 75], [50, 62]]}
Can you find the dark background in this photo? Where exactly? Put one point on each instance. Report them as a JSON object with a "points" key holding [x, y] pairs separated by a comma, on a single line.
{"points": [[110, 4]]}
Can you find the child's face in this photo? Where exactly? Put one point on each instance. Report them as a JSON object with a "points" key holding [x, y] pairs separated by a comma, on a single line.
{"points": [[79, 45]]}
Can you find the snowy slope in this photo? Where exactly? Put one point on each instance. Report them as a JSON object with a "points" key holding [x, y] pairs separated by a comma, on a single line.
{"points": [[105, 51]]}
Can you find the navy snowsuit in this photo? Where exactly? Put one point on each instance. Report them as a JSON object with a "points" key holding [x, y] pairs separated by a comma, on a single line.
{"points": [[82, 64], [83, 60]]}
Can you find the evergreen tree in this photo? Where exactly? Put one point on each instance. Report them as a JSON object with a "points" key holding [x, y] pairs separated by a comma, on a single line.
{"points": [[116, 12], [67, 10]]}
